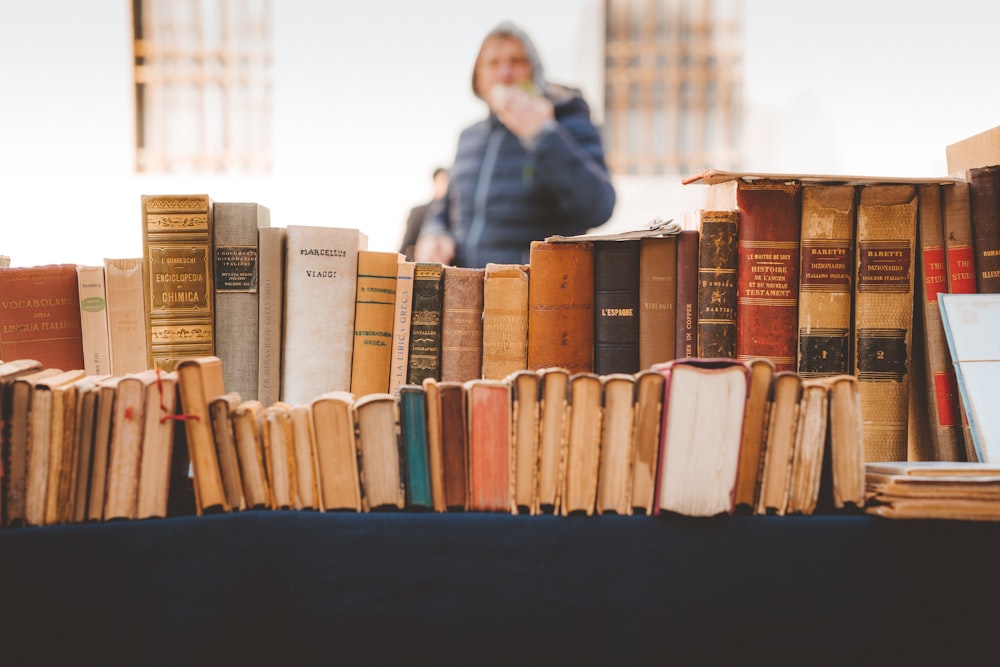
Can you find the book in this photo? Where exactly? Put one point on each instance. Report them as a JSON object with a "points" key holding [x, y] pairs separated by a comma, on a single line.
{"points": [[321, 273], [9, 371], [374, 310], [718, 233], [104, 414], [178, 288], [336, 453], [199, 380], [61, 485], [248, 423], [553, 430], [4, 261], [304, 453], [279, 456], [380, 459], [125, 448], [505, 320], [583, 444], [237, 292], [616, 306], [83, 445], [94, 320], [686, 332], [657, 300], [524, 437], [648, 418], [220, 411], [969, 322], [700, 443], [826, 285], [617, 444], [561, 306], [770, 213], [462, 323], [402, 314], [933, 490], [413, 420], [40, 315], [270, 312], [883, 315], [756, 414], [425, 323], [846, 444], [984, 211], [435, 451], [779, 449], [126, 315], [18, 417], [157, 445], [490, 474], [805, 471], [454, 444]]}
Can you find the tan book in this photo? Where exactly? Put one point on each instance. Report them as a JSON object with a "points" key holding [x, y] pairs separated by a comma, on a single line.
{"points": [[40, 315], [505, 320], [524, 434], [561, 306], [63, 454], [435, 444], [648, 421], [883, 315], [490, 478], [381, 470], [248, 418], [304, 453], [553, 430], [157, 445], [16, 464], [780, 446], [126, 315], [199, 381], [583, 444], [375, 308], [125, 449], [847, 456], [220, 410], [104, 414], [177, 274], [336, 451], [237, 277], [83, 444], [94, 320], [462, 324], [321, 274], [279, 456], [826, 289], [809, 448], [979, 150], [4, 261], [402, 312], [617, 447], [657, 300], [270, 312], [756, 414]]}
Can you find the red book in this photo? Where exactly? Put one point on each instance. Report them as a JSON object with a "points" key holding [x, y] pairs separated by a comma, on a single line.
{"points": [[489, 445], [40, 315]]}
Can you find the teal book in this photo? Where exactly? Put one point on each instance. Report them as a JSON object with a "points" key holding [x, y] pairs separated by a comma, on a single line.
{"points": [[413, 431]]}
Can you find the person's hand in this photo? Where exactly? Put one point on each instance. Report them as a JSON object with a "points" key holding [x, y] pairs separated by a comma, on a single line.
{"points": [[521, 112], [435, 248]]}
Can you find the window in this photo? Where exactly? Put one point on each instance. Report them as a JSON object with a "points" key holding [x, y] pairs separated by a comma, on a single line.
{"points": [[673, 83], [202, 85]]}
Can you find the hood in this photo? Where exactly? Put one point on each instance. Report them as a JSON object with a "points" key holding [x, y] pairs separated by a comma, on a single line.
{"points": [[510, 29]]}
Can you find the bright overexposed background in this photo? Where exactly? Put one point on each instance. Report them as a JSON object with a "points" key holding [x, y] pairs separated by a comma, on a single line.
{"points": [[369, 98]]}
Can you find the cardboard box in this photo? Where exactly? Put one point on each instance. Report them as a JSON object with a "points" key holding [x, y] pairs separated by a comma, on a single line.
{"points": [[979, 150]]}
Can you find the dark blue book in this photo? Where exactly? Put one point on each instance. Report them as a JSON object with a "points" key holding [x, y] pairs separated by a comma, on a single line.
{"points": [[413, 432]]}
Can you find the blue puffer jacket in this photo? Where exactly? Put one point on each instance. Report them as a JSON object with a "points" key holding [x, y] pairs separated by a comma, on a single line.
{"points": [[503, 195]]}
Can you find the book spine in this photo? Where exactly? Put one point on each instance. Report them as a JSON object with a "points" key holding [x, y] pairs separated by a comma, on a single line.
{"points": [[657, 300], [826, 287], [402, 311], [648, 413], [375, 307], [454, 445], [425, 323], [94, 320], [413, 431], [126, 315], [717, 241], [462, 324], [505, 320], [561, 306], [887, 227], [489, 446], [177, 273], [686, 335], [617, 443], [984, 207], [270, 312], [616, 307]]}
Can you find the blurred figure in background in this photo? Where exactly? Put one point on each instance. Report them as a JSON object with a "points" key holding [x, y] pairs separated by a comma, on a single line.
{"points": [[415, 220]]}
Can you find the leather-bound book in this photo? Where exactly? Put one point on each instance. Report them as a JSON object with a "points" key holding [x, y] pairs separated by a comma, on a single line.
{"points": [[984, 207], [617, 445], [402, 312], [177, 273], [648, 413], [561, 306], [826, 286], [380, 459], [717, 236], [40, 315], [425, 323], [336, 451], [94, 320], [200, 380], [374, 311], [126, 315], [270, 312], [488, 407], [883, 315], [462, 324], [768, 265], [686, 334], [413, 433], [505, 320], [657, 299], [616, 306]]}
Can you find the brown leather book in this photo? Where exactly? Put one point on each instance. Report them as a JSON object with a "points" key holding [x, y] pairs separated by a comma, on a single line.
{"points": [[488, 406], [126, 315], [768, 265], [221, 410], [617, 444], [754, 439], [616, 306], [381, 466], [553, 429], [717, 237], [883, 315], [505, 320], [657, 300], [157, 445], [40, 315], [524, 434], [374, 311], [425, 323], [454, 444], [177, 273], [826, 287], [200, 380], [686, 335], [561, 306], [462, 324], [248, 420], [984, 207], [648, 419], [336, 454]]}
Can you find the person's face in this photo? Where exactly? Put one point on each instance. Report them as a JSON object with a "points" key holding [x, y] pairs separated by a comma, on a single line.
{"points": [[502, 61]]}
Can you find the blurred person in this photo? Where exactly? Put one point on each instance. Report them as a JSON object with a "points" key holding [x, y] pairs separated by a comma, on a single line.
{"points": [[533, 168], [415, 220]]}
